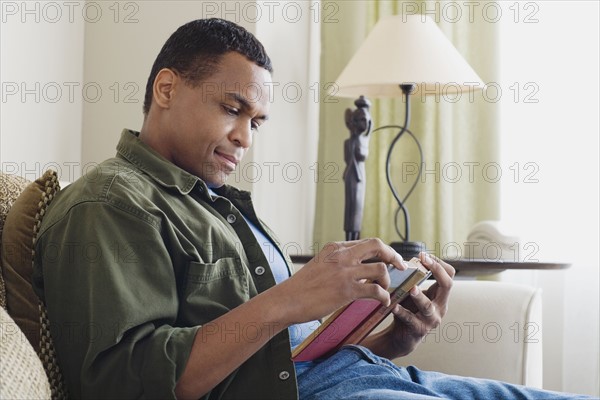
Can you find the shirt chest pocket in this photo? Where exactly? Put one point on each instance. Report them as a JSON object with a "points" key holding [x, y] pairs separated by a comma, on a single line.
{"points": [[213, 289]]}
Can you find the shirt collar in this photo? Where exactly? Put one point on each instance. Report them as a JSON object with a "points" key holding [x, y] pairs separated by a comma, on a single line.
{"points": [[164, 172]]}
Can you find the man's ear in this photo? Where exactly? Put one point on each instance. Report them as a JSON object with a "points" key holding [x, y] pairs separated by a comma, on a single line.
{"points": [[163, 88]]}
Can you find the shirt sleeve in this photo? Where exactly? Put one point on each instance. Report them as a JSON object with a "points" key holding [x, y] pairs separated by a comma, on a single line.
{"points": [[111, 288]]}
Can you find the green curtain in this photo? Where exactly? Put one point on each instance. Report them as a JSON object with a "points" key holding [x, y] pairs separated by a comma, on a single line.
{"points": [[459, 186]]}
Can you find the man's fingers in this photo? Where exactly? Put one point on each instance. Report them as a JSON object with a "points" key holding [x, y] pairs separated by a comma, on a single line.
{"points": [[375, 248], [443, 273], [440, 273], [375, 272], [356, 251], [424, 304], [374, 291], [335, 252], [402, 314], [447, 267]]}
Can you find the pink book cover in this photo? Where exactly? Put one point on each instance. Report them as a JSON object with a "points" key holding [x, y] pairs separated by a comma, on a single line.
{"points": [[352, 323], [334, 333]]}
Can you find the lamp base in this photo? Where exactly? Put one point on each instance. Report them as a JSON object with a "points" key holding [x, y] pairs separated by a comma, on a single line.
{"points": [[408, 250]]}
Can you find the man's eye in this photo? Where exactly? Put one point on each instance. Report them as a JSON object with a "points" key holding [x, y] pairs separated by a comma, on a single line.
{"points": [[231, 110], [255, 125]]}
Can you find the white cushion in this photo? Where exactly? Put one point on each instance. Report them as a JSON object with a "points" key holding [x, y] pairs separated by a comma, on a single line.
{"points": [[492, 330]]}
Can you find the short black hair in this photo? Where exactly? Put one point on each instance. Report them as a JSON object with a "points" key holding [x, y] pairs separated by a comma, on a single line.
{"points": [[195, 49]]}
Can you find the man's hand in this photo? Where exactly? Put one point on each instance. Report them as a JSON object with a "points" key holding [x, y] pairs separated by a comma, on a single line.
{"points": [[420, 313], [338, 275]]}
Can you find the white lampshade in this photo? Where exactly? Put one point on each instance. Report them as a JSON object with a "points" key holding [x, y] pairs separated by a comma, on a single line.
{"points": [[406, 49]]}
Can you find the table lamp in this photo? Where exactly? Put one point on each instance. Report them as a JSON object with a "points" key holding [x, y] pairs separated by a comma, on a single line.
{"points": [[402, 55]]}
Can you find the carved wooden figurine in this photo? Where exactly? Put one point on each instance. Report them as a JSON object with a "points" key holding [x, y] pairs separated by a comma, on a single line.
{"points": [[356, 149]]}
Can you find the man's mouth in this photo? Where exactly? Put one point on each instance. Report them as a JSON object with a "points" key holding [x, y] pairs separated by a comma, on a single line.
{"points": [[230, 161]]}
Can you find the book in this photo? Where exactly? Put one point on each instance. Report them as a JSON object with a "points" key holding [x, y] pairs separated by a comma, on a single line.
{"points": [[354, 322]]}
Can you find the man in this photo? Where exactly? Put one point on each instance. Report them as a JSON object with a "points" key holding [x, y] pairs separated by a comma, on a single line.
{"points": [[176, 297]]}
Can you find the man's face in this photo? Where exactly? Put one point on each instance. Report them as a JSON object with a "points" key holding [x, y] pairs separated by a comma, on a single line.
{"points": [[209, 128]]}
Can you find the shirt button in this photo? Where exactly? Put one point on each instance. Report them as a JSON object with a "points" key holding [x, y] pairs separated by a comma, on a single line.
{"points": [[284, 375], [259, 270], [231, 218]]}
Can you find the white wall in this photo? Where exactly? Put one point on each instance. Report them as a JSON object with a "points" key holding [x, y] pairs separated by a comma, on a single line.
{"points": [[552, 124], [41, 70], [285, 150], [104, 51]]}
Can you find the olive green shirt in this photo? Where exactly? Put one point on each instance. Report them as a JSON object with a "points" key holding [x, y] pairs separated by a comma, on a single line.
{"points": [[132, 259]]}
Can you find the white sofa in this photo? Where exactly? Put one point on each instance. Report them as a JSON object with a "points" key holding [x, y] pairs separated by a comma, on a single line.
{"points": [[492, 330]]}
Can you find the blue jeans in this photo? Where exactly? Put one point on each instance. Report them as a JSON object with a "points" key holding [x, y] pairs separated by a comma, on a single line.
{"points": [[354, 372]]}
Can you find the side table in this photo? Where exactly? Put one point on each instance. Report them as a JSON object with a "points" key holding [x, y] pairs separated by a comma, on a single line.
{"points": [[475, 267]]}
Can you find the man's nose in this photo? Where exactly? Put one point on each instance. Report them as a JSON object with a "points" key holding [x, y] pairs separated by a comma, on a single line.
{"points": [[242, 135]]}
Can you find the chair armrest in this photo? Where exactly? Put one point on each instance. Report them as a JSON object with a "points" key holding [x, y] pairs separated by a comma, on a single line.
{"points": [[492, 330]]}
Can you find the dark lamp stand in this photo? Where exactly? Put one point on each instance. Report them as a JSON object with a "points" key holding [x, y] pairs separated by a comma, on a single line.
{"points": [[406, 248], [358, 122]]}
